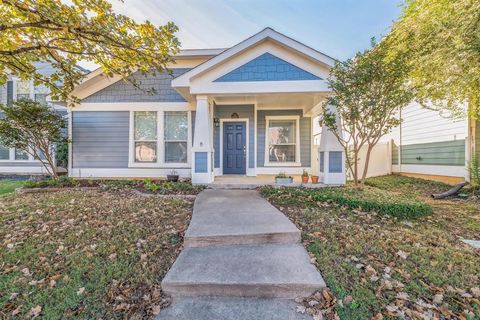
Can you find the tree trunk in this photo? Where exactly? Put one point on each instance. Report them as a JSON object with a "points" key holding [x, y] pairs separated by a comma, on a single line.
{"points": [[367, 161]]}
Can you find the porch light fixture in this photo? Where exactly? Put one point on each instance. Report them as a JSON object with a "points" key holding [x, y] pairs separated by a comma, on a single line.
{"points": [[216, 122]]}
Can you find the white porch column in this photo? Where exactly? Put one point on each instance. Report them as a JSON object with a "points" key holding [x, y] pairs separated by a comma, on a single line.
{"points": [[331, 156], [202, 150]]}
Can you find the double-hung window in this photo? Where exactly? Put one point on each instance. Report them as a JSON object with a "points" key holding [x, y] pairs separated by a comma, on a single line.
{"points": [[282, 141], [145, 136], [160, 137], [175, 136]]}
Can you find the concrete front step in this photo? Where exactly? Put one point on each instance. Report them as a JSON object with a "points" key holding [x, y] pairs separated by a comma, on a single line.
{"points": [[227, 217], [273, 270], [231, 308]]}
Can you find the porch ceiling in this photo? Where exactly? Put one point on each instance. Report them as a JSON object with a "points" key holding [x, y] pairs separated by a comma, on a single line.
{"points": [[306, 101]]}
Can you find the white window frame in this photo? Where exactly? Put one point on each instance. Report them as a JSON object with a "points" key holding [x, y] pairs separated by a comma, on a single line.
{"points": [[297, 162], [160, 163]]}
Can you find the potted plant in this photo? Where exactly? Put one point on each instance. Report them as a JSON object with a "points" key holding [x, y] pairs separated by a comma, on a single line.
{"points": [[314, 179], [173, 176], [283, 179], [305, 176]]}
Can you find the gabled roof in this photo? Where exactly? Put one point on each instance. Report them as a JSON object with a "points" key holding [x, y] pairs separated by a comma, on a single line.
{"points": [[265, 34]]}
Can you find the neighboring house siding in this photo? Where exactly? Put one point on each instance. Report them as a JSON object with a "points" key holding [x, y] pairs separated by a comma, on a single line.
{"points": [[123, 91], [446, 153], [100, 139], [243, 111], [422, 125], [267, 67], [305, 135]]}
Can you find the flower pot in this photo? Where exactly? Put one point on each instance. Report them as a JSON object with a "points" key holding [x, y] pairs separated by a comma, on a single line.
{"points": [[314, 179], [172, 177], [304, 179], [284, 181]]}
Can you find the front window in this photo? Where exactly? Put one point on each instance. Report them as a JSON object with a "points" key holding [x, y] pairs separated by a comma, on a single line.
{"points": [[145, 136], [176, 136], [282, 140]]}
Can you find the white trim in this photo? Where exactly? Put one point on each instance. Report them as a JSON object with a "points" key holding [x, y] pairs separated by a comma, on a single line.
{"points": [[22, 170], [247, 141], [449, 171], [297, 162], [160, 163], [255, 147], [70, 145], [134, 106], [127, 172]]}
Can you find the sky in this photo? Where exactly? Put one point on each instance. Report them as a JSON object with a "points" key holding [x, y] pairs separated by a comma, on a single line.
{"points": [[338, 28]]}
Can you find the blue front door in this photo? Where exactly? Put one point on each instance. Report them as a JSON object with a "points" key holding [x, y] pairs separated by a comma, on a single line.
{"points": [[234, 148]]}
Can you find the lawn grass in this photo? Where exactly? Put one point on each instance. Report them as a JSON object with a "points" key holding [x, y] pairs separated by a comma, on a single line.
{"points": [[383, 267], [8, 186], [87, 254]]}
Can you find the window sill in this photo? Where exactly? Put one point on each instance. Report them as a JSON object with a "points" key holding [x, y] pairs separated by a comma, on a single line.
{"points": [[282, 164]]}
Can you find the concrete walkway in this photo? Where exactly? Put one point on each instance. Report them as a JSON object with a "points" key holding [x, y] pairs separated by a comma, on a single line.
{"points": [[242, 260]]}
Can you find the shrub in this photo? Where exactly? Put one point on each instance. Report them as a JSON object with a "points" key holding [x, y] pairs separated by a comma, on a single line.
{"points": [[62, 181], [368, 199]]}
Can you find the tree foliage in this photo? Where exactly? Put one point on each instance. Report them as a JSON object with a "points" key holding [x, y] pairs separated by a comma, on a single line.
{"points": [[367, 93], [64, 33], [34, 128], [442, 41]]}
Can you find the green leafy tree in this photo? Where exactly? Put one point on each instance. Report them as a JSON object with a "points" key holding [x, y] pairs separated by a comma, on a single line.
{"points": [[34, 128], [442, 41], [65, 33], [367, 92]]}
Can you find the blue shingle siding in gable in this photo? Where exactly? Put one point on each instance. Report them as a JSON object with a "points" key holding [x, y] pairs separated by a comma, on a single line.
{"points": [[122, 91], [267, 67]]}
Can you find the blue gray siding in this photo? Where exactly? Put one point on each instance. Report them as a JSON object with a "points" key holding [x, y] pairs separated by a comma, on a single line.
{"points": [[243, 111], [123, 91], [305, 135], [267, 67], [100, 139]]}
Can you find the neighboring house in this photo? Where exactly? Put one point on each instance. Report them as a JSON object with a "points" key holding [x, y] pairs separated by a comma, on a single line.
{"points": [[432, 145], [14, 161], [247, 110]]}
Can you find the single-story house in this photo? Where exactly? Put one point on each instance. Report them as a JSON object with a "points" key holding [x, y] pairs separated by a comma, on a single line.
{"points": [[246, 110], [19, 162]]}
